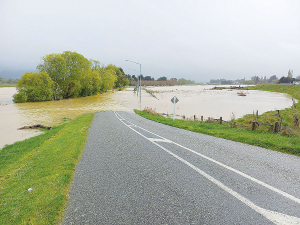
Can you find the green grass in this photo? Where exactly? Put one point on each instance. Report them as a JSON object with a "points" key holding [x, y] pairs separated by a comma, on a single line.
{"points": [[287, 144], [287, 115], [7, 85], [45, 163]]}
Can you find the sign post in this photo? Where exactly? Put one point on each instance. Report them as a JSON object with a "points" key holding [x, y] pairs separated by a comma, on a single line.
{"points": [[174, 100]]}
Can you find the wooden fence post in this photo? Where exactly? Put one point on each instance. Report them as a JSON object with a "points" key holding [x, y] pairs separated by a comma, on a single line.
{"points": [[279, 125], [221, 120], [256, 116], [253, 125], [194, 117], [294, 103], [276, 129], [296, 121], [201, 118]]}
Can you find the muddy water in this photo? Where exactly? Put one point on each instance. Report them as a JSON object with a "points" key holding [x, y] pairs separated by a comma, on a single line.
{"points": [[50, 113], [226, 103], [193, 100]]}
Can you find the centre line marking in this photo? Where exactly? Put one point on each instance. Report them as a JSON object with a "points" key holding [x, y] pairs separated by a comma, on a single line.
{"points": [[291, 197], [275, 217]]}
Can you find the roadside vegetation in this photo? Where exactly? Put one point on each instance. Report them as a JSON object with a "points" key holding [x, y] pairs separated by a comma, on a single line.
{"points": [[286, 140], [287, 115], [35, 174], [68, 75], [287, 144]]}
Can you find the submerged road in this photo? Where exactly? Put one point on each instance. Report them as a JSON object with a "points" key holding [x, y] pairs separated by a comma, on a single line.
{"points": [[136, 171]]}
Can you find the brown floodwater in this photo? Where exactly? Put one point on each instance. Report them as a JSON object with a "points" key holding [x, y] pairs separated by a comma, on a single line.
{"points": [[201, 100], [193, 100]]}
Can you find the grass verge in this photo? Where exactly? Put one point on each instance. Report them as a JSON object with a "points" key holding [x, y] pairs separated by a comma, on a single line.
{"points": [[288, 114], [286, 144], [45, 164]]}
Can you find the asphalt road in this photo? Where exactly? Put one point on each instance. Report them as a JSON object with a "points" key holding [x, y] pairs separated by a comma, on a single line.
{"points": [[135, 171]]}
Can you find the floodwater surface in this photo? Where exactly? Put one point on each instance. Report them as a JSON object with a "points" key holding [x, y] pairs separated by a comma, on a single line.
{"points": [[201, 100], [193, 100]]}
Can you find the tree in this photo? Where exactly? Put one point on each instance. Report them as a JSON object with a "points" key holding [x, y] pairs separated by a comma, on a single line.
{"points": [[162, 79], [272, 79], [95, 64], [56, 67], [122, 79], [77, 66], [148, 78], [255, 79], [134, 77], [226, 82], [108, 76], [183, 81], [285, 80], [35, 86]]}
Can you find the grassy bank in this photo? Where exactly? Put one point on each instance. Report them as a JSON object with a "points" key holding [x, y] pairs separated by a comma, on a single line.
{"points": [[7, 85], [287, 144], [287, 115], [35, 174]]}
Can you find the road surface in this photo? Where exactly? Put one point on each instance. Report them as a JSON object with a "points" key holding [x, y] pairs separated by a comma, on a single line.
{"points": [[136, 171]]}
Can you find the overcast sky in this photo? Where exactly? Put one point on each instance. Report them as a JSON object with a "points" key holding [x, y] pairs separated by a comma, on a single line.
{"points": [[192, 39]]}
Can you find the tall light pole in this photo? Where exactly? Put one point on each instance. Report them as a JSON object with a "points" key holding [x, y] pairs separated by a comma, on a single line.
{"points": [[140, 78], [137, 86]]}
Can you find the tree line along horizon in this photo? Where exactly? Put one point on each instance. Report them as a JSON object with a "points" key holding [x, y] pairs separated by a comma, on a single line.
{"points": [[289, 79], [71, 75]]}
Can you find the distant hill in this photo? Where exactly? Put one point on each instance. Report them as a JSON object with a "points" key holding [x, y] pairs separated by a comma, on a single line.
{"points": [[14, 74]]}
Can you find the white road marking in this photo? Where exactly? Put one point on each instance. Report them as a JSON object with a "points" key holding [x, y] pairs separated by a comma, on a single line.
{"points": [[275, 217], [291, 197], [159, 140]]}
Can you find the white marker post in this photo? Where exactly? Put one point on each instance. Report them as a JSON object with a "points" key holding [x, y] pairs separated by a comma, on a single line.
{"points": [[174, 100]]}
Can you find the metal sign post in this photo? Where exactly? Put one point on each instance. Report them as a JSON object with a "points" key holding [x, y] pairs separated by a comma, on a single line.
{"points": [[174, 100]]}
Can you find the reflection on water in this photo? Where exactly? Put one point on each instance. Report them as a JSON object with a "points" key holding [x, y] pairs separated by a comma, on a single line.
{"points": [[193, 100]]}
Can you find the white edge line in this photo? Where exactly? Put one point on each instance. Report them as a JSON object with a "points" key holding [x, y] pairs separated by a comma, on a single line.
{"points": [[291, 197], [275, 217]]}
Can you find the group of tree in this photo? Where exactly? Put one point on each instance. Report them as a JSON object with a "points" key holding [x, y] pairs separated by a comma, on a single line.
{"points": [[161, 81], [8, 82], [68, 75], [289, 79], [258, 80], [254, 80]]}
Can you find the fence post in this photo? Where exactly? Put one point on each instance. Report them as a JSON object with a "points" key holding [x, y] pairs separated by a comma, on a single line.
{"points": [[253, 125], [221, 120], [279, 125], [276, 130], [194, 117], [201, 118], [296, 121], [294, 103], [256, 115]]}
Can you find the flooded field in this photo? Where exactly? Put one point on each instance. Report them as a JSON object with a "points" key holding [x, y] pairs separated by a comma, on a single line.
{"points": [[203, 101], [193, 100]]}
